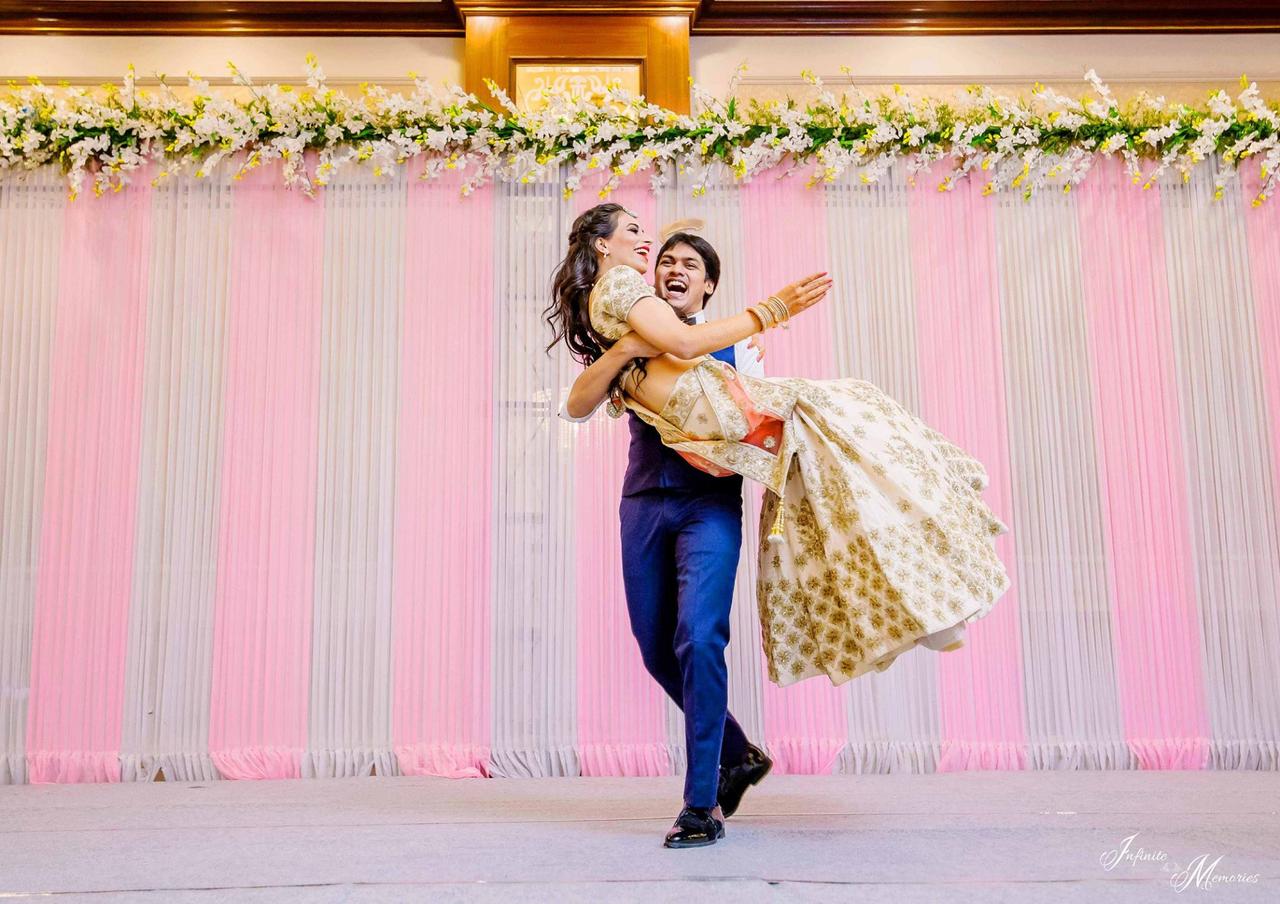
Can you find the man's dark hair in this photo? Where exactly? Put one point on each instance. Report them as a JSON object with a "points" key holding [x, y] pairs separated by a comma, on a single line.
{"points": [[710, 260]]}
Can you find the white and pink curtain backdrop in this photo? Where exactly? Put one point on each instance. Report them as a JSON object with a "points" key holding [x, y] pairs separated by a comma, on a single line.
{"points": [[283, 491]]}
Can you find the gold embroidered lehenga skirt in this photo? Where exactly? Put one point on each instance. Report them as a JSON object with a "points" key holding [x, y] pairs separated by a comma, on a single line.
{"points": [[873, 535]]}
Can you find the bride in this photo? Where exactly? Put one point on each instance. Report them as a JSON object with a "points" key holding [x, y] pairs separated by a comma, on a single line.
{"points": [[873, 535]]}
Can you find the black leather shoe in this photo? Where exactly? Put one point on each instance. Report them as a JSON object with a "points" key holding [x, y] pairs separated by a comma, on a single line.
{"points": [[695, 827], [735, 780]]}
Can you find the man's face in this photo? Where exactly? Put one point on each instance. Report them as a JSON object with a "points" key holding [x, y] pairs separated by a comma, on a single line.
{"points": [[680, 279]]}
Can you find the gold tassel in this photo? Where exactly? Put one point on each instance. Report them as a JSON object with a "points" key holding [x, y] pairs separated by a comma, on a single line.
{"points": [[689, 224], [775, 532]]}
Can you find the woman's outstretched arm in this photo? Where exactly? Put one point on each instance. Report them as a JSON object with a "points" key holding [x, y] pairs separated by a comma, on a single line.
{"points": [[658, 324]]}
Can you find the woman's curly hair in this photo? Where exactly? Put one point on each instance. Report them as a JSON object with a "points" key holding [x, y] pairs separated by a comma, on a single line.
{"points": [[568, 314]]}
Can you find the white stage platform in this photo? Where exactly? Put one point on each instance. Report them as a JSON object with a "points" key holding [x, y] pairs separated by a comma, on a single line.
{"points": [[984, 837]]}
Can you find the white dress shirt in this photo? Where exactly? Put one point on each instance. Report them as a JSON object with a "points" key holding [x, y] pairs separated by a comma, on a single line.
{"points": [[748, 362]]}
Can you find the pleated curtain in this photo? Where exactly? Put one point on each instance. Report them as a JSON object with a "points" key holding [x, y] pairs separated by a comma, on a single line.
{"points": [[283, 492]]}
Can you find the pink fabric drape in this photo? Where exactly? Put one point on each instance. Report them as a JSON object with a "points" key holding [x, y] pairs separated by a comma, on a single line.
{"points": [[962, 395], [85, 579], [784, 238], [441, 706], [266, 540], [621, 710], [1140, 455]]}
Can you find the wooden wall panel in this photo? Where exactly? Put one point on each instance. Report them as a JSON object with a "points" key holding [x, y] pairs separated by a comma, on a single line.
{"points": [[659, 43]]}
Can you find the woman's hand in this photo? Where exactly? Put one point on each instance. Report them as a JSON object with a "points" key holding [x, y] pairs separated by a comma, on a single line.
{"points": [[633, 345], [804, 293]]}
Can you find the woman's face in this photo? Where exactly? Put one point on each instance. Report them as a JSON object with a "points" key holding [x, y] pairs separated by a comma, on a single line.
{"points": [[629, 245]]}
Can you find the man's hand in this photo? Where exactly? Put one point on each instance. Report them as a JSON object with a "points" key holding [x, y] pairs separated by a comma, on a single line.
{"points": [[754, 342], [633, 345]]}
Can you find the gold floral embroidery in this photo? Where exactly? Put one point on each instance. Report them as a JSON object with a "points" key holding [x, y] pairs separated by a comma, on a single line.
{"points": [[886, 539], [612, 297], [687, 391]]}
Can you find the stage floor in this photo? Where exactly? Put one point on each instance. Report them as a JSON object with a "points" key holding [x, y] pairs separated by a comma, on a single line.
{"points": [[986, 837]]}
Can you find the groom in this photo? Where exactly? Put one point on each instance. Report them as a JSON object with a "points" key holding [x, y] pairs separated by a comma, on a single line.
{"points": [[681, 537]]}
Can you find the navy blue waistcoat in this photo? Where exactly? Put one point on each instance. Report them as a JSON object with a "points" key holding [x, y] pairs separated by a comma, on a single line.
{"points": [[654, 466]]}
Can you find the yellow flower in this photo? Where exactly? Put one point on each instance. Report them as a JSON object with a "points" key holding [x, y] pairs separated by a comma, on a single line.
{"points": [[1066, 188], [568, 193], [1244, 80]]}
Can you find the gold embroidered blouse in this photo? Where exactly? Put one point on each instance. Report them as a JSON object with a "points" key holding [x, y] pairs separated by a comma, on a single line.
{"points": [[715, 415]]}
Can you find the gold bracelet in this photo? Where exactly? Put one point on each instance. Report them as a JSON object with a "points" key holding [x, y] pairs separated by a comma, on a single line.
{"points": [[773, 314], [778, 308], [764, 315]]}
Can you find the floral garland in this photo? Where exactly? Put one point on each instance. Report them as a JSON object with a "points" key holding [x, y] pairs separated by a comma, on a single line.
{"points": [[1050, 141]]}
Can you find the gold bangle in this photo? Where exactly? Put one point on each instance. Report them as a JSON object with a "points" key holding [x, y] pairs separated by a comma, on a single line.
{"points": [[760, 315], [770, 314], [784, 312]]}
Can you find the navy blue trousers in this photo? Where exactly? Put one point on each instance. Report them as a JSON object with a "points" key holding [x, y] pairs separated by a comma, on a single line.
{"points": [[679, 562]]}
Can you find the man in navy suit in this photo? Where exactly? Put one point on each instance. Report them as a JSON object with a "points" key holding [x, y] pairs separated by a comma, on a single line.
{"points": [[681, 538]]}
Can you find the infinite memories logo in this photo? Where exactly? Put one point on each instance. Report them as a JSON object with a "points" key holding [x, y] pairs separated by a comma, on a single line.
{"points": [[1204, 871]]}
